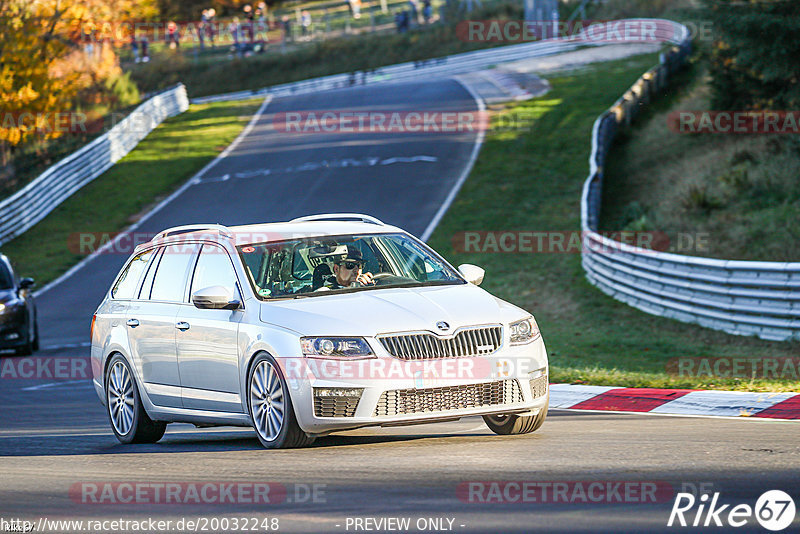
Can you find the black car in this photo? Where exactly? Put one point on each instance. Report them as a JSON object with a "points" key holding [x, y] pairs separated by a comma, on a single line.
{"points": [[18, 329]]}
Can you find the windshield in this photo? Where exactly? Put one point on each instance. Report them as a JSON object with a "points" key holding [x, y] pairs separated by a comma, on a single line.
{"points": [[336, 264], [6, 281]]}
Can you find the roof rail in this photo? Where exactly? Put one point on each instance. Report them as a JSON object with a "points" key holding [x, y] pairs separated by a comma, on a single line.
{"points": [[223, 230], [340, 217]]}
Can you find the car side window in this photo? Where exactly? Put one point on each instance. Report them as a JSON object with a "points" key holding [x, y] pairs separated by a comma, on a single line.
{"points": [[147, 285], [213, 269], [128, 281], [169, 283]]}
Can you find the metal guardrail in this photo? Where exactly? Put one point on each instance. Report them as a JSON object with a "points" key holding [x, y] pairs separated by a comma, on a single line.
{"points": [[739, 297], [443, 66], [31, 204]]}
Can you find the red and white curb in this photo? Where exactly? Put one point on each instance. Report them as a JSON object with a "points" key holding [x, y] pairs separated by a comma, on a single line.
{"points": [[784, 406]]}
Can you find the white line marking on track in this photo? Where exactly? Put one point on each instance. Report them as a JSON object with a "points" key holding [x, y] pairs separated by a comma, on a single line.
{"points": [[66, 346], [222, 155], [55, 384], [476, 148]]}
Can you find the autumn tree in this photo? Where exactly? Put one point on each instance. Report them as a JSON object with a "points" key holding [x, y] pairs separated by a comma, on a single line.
{"points": [[48, 61]]}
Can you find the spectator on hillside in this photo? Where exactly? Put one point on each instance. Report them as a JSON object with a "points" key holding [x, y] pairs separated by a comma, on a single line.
{"points": [[145, 45], [210, 30], [401, 19], [261, 20], [355, 8], [173, 37], [201, 31], [427, 11], [249, 23], [305, 21], [414, 15], [235, 29], [286, 22], [135, 48]]}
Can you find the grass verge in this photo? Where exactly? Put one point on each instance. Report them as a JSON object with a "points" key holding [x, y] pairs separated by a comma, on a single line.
{"points": [[531, 180], [136, 182], [727, 196]]}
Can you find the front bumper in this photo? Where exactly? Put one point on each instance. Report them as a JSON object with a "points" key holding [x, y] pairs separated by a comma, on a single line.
{"points": [[394, 392], [13, 333]]}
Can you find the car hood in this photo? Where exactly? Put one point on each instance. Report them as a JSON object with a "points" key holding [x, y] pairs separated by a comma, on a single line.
{"points": [[372, 312], [7, 295]]}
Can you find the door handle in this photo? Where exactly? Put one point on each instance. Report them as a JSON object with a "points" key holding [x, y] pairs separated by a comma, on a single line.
{"points": [[133, 323], [183, 325]]}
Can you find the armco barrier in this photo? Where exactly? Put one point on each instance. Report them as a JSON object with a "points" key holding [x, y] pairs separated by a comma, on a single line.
{"points": [[30, 205], [738, 297], [443, 66]]}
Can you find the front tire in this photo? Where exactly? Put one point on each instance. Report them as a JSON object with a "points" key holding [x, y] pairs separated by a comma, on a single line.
{"points": [[510, 424], [35, 344], [270, 406], [31, 344], [129, 421]]}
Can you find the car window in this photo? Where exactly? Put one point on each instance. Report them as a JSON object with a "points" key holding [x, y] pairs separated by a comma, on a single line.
{"points": [[213, 269], [169, 283], [144, 292], [128, 281], [281, 269], [6, 279]]}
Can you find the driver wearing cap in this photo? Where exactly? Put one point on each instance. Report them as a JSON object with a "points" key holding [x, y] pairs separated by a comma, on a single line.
{"points": [[347, 271]]}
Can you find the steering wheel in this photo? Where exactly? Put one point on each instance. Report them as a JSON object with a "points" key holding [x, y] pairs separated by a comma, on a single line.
{"points": [[381, 276]]}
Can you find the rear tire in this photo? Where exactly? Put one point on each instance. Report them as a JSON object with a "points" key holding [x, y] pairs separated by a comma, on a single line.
{"points": [[510, 424], [129, 422], [270, 406]]}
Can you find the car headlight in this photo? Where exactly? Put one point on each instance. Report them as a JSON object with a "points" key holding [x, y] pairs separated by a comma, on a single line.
{"points": [[12, 306], [524, 331], [335, 347]]}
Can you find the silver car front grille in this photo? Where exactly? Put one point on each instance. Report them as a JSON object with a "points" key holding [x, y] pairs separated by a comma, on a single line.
{"points": [[539, 386], [335, 406], [410, 401], [472, 341]]}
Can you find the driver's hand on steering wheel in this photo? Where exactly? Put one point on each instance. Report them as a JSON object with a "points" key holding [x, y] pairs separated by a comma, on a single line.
{"points": [[365, 279]]}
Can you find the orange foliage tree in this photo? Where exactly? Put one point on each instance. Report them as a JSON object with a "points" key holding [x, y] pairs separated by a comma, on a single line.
{"points": [[48, 60]]}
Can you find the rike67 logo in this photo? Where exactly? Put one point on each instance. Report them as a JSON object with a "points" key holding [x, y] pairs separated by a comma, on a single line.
{"points": [[774, 510]]}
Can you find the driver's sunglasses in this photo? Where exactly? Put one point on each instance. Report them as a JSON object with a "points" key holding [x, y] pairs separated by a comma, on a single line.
{"points": [[350, 265]]}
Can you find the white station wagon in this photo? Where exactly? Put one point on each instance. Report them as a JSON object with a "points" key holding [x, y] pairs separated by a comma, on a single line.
{"points": [[298, 329]]}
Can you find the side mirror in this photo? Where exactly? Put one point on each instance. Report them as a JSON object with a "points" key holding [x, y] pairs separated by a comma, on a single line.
{"points": [[471, 273], [26, 283], [215, 298]]}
